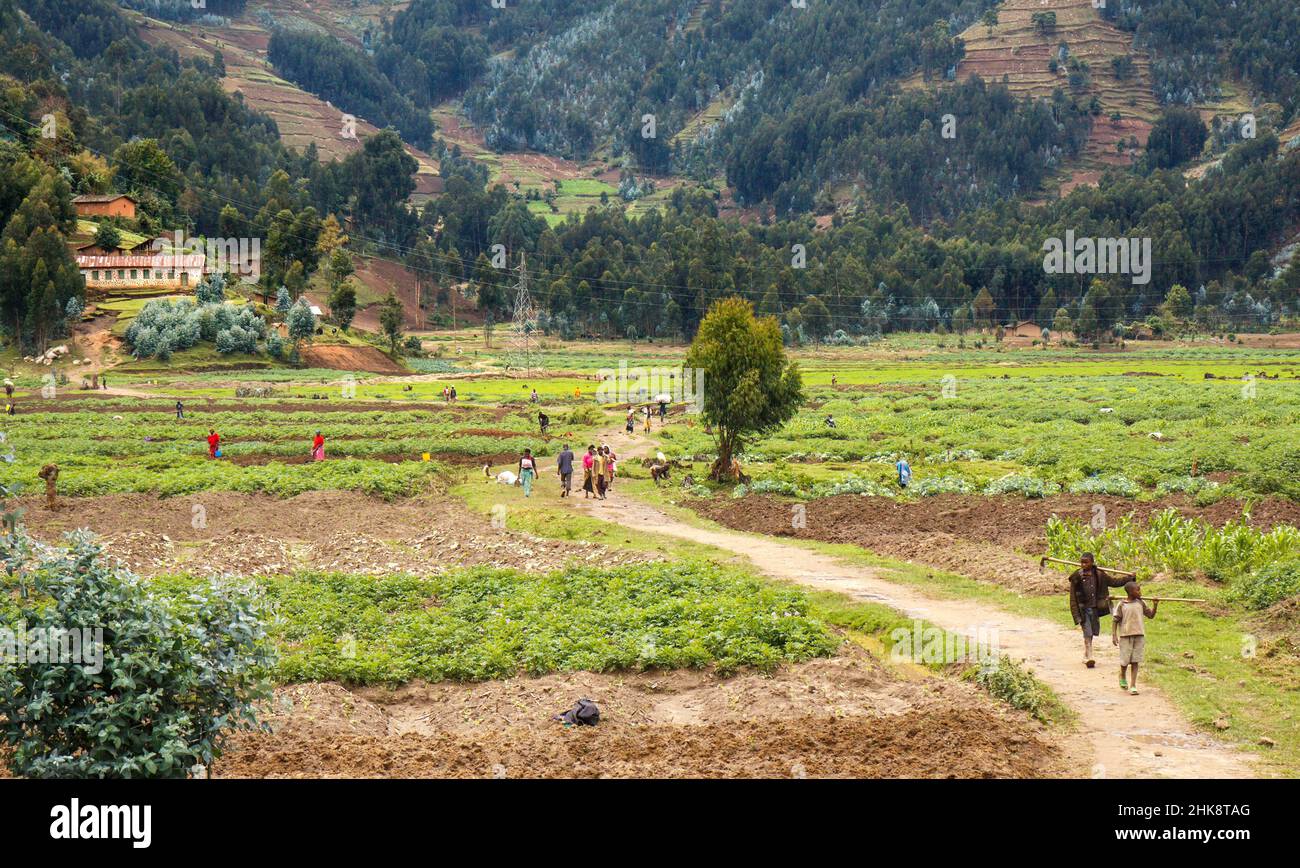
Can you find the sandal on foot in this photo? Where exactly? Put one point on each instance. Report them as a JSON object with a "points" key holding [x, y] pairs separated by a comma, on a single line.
{"points": [[1123, 685], [1132, 691]]}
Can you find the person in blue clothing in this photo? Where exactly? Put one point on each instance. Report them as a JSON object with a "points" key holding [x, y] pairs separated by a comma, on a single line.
{"points": [[904, 472], [565, 465]]}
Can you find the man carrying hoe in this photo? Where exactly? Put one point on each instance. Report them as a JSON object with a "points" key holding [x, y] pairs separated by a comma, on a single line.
{"points": [[1090, 600]]}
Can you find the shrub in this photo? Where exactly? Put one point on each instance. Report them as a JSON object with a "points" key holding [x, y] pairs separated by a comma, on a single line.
{"points": [[1019, 483], [163, 327], [1269, 585], [584, 414], [1115, 485], [1186, 484], [1007, 681], [192, 668], [767, 486], [852, 485]]}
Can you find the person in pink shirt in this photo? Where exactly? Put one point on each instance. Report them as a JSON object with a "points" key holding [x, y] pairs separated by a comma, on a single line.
{"points": [[588, 482]]}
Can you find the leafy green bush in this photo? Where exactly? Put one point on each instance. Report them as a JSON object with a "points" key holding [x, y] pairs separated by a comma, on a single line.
{"points": [[1018, 483], [584, 415], [156, 684], [767, 486], [852, 485], [1269, 585], [1186, 485], [1114, 485], [1008, 681]]}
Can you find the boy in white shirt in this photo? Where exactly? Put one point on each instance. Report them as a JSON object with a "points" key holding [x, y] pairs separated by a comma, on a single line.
{"points": [[1129, 633]]}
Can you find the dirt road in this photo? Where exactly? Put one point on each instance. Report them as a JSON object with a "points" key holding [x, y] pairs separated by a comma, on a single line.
{"points": [[1119, 736]]}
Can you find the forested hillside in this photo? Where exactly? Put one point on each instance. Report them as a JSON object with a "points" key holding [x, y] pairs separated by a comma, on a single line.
{"points": [[349, 78], [1197, 44], [921, 230]]}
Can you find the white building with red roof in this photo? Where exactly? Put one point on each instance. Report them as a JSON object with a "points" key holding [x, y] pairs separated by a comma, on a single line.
{"points": [[146, 270]]}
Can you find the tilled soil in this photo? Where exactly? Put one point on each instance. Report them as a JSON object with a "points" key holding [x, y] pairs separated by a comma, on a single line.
{"points": [[246, 534], [976, 536], [840, 717]]}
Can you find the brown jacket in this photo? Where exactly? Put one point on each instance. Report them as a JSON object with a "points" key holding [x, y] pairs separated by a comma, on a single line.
{"points": [[1091, 591]]}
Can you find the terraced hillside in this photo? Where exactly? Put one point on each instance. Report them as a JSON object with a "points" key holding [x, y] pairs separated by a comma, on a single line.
{"points": [[303, 119], [1021, 51]]}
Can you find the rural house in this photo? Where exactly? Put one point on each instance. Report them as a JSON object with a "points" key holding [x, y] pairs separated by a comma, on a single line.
{"points": [[104, 205], [1026, 328], [160, 270]]}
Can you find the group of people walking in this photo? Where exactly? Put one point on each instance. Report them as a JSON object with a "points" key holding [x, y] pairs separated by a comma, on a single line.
{"points": [[599, 466], [647, 414]]}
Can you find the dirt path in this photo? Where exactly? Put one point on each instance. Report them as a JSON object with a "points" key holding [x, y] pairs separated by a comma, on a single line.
{"points": [[1119, 736]]}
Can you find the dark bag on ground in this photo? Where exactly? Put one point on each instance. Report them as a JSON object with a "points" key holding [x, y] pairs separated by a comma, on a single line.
{"points": [[583, 713]]}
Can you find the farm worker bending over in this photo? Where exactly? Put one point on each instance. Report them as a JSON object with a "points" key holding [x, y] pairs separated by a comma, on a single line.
{"points": [[1089, 600], [904, 472], [1127, 631], [214, 443], [318, 448], [527, 471]]}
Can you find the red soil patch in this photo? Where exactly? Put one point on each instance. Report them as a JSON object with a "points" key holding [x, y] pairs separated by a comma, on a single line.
{"points": [[349, 358]]}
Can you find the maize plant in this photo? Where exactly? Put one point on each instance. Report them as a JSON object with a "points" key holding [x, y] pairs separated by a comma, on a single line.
{"points": [[1179, 546]]}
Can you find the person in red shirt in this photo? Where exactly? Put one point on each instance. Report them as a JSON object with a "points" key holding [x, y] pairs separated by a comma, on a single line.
{"points": [[318, 448], [214, 442]]}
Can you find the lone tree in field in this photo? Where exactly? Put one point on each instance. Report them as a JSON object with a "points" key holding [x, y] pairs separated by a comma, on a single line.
{"points": [[750, 387]]}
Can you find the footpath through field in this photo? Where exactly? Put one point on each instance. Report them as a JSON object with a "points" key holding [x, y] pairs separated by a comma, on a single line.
{"points": [[1119, 736]]}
